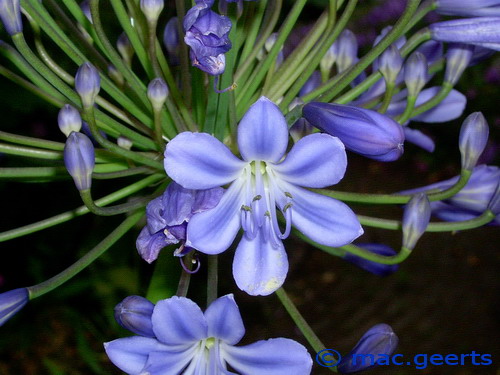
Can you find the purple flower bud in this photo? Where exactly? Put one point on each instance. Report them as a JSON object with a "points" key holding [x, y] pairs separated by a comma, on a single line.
{"points": [[79, 159], [468, 8], [85, 7], [152, 9], [125, 48], [329, 59], [481, 31], [390, 63], [380, 340], [87, 83], [473, 139], [416, 217], [11, 302], [457, 59], [416, 73], [69, 120], [370, 266], [363, 131], [432, 51], [171, 39], [157, 93], [134, 313], [347, 50], [10, 14]]}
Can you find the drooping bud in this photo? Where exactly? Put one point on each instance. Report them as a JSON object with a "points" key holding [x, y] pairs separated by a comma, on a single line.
{"points": [[87, 84], [370, 266], [473, 138], [416, 217], [79, 159], [124, 142], [157, 93], [125, 48], [152, 9], [363, 131], [134, 313], [69, 120], [380, 340], [11, 302], [390, 63], [347, 50], [457, 59], [10, 14], [480, 31], [171, 39], [416, 73]]}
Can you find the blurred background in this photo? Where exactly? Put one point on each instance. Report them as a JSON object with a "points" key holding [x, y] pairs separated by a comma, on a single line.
{"points": [[443, 299]]}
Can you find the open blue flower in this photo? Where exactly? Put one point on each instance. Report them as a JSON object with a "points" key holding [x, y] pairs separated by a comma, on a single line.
{"points": [[188, 341], [261, 181]]}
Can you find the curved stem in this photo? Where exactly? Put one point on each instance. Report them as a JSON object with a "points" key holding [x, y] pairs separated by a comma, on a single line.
{"points": [[114, 210]]}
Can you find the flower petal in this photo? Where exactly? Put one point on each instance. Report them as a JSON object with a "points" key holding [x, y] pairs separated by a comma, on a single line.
{"points": [[317, 160], [418, 138], [130, 354], [270, 357], [258, 267], [149, 245], [449, 109], [177, 204], [170, 361], [200, 161], [213, 231], [262, 132], [224, 320], [325, 220], [178, 321]]}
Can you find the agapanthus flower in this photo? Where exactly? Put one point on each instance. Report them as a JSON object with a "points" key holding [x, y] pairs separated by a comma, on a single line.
{"points": [[188, 341], [264, 179], [168, 217], [207, 33], [11, 302], [471, 201]]}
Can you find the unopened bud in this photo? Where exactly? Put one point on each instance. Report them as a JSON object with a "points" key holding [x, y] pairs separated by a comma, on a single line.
{"points": [[152, 9], [416, 218], [457, 59], [124, 142], [79, 158], [10, 14], [390, 63], [472, 140], [11, 302], [125, 48], [87, 84], [416, 73], [69, 120], [157, 93], [134, 313]]}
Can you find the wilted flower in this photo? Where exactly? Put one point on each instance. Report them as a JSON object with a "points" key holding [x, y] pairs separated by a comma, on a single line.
{"points": [[363, 131], [79, 159], [376, 344], [11, 302], [188, 341], [168, 217], [259, 183], [371, 266]]}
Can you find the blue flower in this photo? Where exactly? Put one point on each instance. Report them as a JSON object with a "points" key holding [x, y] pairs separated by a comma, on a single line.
{"points": [[168, 216], [259, 183], [207, 33], [188, 341], [11, 302], [468, 8]]}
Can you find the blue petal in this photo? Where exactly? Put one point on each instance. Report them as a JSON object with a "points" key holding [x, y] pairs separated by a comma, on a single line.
{"points": [[263, 132], [149, 245], [170, 361], [258, 267], [130, 354], [224, 320], [207, 199], [177, 204], [270, 357], [178, 321], [418, 138], [200, 161], [449, 109], [154, 215], [325, 220], [213, 231], [318, 160]]}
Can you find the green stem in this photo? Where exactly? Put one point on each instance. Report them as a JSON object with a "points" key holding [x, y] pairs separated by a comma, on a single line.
{"points": [[114, 210], [410, 105], [32, 172], [59, 279], [299, 320], [434, 101], [185, 278], [212, 278], [389, 92], [30, 152], [82, 210]]}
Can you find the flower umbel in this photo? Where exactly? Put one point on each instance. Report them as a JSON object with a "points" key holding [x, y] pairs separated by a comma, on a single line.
{"points": [[261, 181]]}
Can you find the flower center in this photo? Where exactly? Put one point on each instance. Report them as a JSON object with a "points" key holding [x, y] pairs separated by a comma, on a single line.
{"points": [[262, 195], [209, 343]]}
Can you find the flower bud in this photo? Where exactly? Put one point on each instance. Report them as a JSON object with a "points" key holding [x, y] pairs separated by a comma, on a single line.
{"points": [[157, 93], [363, 131], [152, 9], [11, 302], [416, 73], [79, 159], [87, 84], [85, 7], [371, 266], [390, 63], [69, 120], [171, 39], [10, 14], [380, 340], [125, 48], [134, 313], [472, 140], [124, 142], [416, 217], [326, 63], [457, 59], [347, 50], [480, 31]]}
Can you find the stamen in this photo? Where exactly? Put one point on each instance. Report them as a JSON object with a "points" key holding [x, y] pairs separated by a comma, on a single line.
{"points": [[195, 260]]}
